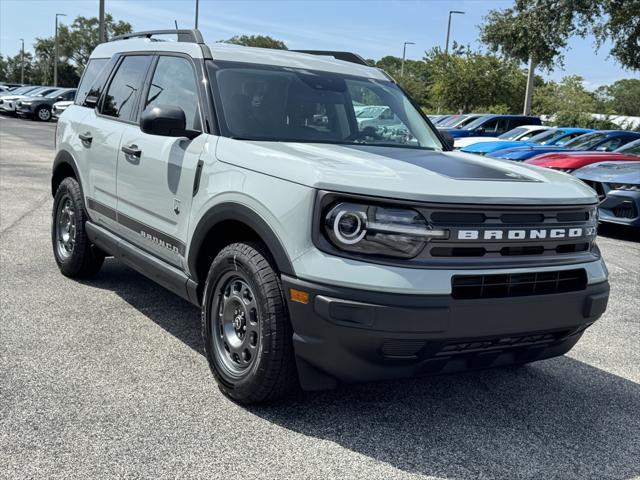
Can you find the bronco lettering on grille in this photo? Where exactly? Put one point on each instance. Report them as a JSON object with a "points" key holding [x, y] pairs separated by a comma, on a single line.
{"points": [[522, 234]]}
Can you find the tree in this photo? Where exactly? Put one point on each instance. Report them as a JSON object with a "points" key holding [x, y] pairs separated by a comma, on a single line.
{"points": [[262, 41], [621, 97], [621, 25], [416, 78]]}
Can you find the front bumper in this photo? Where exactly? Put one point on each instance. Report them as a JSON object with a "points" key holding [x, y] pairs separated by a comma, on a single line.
{"points": [[622, 207], [8, 107], [348, 335], [24, 110]]}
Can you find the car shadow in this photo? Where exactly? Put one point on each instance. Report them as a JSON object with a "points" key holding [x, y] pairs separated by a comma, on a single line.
{"points": [[559, 418], [619, 232]]}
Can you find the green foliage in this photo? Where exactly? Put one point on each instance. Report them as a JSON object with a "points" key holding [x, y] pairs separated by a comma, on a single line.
{"points": [[540, 29], [416, 78], [262, 41], [621, 97]]}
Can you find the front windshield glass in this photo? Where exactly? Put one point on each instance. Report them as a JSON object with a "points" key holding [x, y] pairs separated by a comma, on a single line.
{"points": [[632, 148], [478, 122], [20, 90], [585, 142], [544, 137], [513, 134], [54, 94], [284, 104]]}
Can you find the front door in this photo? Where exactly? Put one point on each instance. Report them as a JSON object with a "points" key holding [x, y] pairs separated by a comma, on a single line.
{"points": [[155, 184]]}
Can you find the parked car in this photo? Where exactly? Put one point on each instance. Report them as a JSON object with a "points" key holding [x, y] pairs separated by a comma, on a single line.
{"points": [[460, 121], [523, 132], [618, 187], [59, 107], [39, 108], [553, 136], [602, 141], [493, 125], [19, 91], [569, 161], [8, 103], [318, 252]]}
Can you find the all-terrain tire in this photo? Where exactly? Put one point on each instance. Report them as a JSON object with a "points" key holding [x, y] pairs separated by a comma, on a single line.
{"points": [[72, 249], [244, 302]]}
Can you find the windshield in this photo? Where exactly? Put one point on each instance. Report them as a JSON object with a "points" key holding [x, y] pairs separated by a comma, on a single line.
{"points": [[585, 142], [286, 104], [54, 94], [544, 137], [632, 148], [478, 122], [465, 121], [513, 134]]}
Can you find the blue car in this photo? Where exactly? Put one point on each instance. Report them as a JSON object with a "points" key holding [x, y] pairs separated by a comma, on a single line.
{"points": [[618, 187], [555, 136], [492, 125], [602, 141]]}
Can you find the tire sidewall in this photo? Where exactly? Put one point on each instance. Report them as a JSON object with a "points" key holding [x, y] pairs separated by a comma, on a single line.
{"points": [[251, 379]]}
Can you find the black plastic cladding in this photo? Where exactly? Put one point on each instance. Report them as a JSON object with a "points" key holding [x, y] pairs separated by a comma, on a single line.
{"points": [[495, 254]]}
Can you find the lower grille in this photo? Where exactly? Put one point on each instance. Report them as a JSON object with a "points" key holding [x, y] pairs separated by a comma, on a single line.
{"points": [[625, 210], [402, 348], [518, 284], [500, 344]]}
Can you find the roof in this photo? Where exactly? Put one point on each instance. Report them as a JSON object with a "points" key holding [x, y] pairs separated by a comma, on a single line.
{"points": [[239, 53]]}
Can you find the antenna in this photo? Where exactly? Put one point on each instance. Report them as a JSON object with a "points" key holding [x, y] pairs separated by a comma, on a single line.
{"points": [[176, 22]]}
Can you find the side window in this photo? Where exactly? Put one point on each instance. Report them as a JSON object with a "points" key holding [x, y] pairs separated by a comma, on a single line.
{"points": [[611, 144], [174, 83], [91, 72], [122, 93], [490, 125], [69, 95]]}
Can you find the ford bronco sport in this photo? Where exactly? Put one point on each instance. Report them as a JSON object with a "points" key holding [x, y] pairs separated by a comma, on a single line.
{"points": [[319, 252]]}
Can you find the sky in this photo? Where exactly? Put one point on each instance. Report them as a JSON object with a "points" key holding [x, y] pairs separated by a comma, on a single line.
{"points": [[372, 28]]}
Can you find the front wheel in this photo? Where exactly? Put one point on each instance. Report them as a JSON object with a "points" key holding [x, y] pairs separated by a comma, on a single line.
{"points": [[246, 328], [43, 114]]}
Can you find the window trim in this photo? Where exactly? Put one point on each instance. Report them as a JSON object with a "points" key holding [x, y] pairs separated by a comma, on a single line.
{"points": [[149, 77], [112, 74]]}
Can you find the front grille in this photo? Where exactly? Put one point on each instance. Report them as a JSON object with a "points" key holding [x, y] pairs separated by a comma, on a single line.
{"points": [[402, 348], [517, 284], [478, 231], [499, 344]]}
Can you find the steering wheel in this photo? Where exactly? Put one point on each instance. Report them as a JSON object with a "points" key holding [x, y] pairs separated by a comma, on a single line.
{"points": [[367, 132]]}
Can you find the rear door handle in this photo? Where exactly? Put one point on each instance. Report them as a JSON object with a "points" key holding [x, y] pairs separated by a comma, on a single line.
{"points": [[86, 138], [132, 151]]}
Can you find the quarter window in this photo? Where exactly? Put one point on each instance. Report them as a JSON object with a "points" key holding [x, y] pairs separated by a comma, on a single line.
{"points": [[91, 72], [122, 94], [174, 83]]}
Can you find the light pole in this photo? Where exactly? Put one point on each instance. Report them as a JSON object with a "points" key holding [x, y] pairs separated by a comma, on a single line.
{"points": [[404, 55], [446, 47], [197, 8], [22, 62], [101, 36], [55, 60]]}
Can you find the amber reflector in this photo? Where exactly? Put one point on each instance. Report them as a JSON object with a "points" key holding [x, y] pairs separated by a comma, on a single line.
{"points": [[299, 296]]}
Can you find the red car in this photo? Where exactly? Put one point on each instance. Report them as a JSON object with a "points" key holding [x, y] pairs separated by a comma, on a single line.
{"points": [[570, 161]]}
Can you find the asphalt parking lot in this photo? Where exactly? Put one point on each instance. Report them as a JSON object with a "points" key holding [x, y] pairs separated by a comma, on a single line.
{"points": [[106, 378]]}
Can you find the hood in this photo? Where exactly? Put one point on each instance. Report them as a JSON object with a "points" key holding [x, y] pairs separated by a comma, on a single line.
{"points": [[457, 132], [486, 147], [521, 153], [63, 103], [405, 173], [577, 159], [611, 172], [466, 141]]}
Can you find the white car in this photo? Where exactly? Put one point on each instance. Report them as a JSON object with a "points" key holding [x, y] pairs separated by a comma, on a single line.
{"points": [[59, 107], [524, 132]]}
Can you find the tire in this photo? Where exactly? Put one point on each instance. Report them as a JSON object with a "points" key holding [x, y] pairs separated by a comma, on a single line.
{"points": [[245, 326], [42, 114], [72, 249]]}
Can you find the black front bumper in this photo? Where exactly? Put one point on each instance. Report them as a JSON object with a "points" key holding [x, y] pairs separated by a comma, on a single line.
{"points": [[24, 111], [353, 336]]}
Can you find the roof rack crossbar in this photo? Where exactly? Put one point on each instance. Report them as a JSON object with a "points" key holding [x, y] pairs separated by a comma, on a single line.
{"points": [[344, 56], [184, 35]]}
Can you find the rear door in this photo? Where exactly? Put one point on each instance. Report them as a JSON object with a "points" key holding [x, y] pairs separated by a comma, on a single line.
{"points": [[102, 132], [155, 186]]}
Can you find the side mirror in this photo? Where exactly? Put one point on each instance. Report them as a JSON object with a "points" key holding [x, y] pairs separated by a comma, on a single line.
{"points": [[448, 139], [59, 98], [166, 121]]}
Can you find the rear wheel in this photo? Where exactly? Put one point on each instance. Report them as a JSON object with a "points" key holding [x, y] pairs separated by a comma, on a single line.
{"points": [[246, 328], [72, 249]]}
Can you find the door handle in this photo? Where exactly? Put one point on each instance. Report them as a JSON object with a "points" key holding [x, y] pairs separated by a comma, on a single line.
{"points": [[132, 151], [86, 139]]}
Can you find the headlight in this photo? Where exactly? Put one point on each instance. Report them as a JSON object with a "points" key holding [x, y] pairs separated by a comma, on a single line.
{"points": [[625, 186], [377, 230], [26, 103]]}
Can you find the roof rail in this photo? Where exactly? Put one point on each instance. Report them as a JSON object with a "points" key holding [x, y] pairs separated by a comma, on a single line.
{"points": [[189, 36], [344, 56]]}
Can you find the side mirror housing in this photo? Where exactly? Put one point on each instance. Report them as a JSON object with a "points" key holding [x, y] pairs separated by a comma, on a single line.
{"points": [[448, 139], [59, 98], [165, 121]]}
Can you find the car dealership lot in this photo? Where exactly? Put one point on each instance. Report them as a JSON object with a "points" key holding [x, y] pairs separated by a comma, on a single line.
{"points": [[106, 378]]}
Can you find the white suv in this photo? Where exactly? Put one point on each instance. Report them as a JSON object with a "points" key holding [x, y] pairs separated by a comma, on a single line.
{"points": [[319, 252]]}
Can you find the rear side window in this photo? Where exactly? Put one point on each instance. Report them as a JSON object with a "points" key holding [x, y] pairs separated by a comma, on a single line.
{"points": [[122, 94], [91, 72], [174, 83]]}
